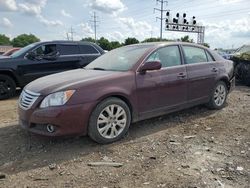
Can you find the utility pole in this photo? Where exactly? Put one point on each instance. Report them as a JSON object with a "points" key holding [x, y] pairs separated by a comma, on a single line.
{"points": [[71, 32], [94, 21], [162, 10]]}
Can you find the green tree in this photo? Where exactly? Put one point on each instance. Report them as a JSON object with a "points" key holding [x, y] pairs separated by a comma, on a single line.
{"points": [[206, 44], [129, 41], [151, 40], [88, 39], [186, 39], [24, 40], [104, 43], [115, 44], [154, 40], [4, 40]]}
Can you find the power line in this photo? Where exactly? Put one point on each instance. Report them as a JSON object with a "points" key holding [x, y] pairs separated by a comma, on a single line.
{"points": [[94, 21], [161, 11]]}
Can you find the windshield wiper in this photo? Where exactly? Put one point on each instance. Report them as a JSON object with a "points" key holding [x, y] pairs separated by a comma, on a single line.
{"points": [[98, 68]]}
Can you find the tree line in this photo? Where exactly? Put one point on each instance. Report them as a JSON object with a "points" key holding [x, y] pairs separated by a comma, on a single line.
{"points": [[26, 39]]}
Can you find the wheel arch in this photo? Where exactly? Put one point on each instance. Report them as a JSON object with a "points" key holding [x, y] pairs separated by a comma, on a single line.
{"points": [[226, 81], [125, 99], [11, 75]]}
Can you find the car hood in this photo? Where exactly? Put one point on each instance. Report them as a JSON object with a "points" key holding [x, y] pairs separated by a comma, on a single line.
{"points": [[67, 80], [4, 58]]}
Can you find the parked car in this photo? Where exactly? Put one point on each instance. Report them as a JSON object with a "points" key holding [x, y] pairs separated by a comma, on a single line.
{"points": [[125, 85], [241, 60], [224, 54], [41, 59], [10, 52]]}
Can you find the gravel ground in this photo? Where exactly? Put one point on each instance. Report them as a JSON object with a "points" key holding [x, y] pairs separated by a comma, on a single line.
{"points": [[193, 148]]}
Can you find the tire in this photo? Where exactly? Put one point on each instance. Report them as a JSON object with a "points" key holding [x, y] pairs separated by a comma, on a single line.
{"points": [[109, 115], [7, 87], [219, 96], [247, 74], [238, 72]]}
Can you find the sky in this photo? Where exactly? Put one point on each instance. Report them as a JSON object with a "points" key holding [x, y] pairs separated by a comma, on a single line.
{"points": [[227, 22]]}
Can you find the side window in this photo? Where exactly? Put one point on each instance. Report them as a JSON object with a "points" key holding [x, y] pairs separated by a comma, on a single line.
{"points": [[168, 56], [194, 54], [48, 49], [67, 49], [87, 49], [209, 57]]}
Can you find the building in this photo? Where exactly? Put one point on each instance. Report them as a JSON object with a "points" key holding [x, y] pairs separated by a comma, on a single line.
{"points": [[4, 48]]}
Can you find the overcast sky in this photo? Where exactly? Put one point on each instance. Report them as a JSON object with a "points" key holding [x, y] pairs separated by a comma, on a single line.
{"points": [[227, 21]]}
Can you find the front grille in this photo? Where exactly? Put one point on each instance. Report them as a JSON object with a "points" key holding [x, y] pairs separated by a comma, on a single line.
{"points": [[27, 99]]}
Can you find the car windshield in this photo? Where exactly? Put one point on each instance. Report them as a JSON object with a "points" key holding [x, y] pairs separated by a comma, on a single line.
{"points": [[244, 49], [23, 50], [120, 59]]}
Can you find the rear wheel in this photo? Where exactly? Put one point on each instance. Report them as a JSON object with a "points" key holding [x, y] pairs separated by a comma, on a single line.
{"points": [[7, 87], [109, 121], [219, 96]]}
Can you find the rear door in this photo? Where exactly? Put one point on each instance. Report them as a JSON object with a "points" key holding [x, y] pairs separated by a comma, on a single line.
{"points": [[201, 73], [69, 56], [165, 88], [88, 53]]}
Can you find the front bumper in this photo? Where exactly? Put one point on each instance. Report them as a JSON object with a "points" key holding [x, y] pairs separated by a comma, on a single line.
{"points": [[67, 120]]}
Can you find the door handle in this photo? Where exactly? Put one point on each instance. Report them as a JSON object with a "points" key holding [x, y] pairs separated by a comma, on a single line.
{"points": [[214, 69], [181, 75]]}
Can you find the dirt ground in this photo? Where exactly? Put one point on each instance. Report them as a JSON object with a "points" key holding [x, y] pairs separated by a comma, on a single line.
{"points": [[193, 148]]}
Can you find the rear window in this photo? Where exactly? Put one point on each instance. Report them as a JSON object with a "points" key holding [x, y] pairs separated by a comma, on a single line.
{"points": [[194, 55], [87, 49], [66, 49]]}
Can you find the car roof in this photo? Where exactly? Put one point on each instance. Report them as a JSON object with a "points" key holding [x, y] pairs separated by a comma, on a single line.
{"points": [[66, 42], [166, 43]]}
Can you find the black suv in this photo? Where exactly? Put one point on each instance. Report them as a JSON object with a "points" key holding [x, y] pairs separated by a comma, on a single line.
{"points": [[43, 58]]}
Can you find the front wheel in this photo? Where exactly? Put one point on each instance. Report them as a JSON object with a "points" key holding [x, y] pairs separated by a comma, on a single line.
{"points": [[7, 87], [109, 121], [219, 96]]}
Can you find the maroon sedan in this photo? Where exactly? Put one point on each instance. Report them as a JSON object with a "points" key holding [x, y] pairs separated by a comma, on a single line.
{"points": [[125, 85]]}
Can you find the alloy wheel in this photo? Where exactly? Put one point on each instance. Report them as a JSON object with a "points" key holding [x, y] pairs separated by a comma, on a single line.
{"points": [[220, 95], [111, 121]]}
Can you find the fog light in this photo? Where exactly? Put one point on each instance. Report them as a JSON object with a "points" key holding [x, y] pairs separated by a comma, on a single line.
{"points": [[50, 128]]}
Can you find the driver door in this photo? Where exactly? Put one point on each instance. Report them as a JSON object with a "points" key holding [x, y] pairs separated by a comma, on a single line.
{"points": [[33, 68]]}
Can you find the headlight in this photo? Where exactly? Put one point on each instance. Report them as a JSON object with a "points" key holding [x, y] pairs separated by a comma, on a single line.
{"points": [[57, 99]]}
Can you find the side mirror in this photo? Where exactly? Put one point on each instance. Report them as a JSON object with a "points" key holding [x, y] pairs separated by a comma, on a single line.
{"points": [[31, 55], [149, 66]]}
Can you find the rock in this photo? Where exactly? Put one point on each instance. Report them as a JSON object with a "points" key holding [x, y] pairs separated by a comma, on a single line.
{"points": [[197, 153], [185, 166], [175, 143], [207, 149], [52, 166], [219, 152], [208, 129], [239, 168], [113, 164], [219, 169], [146, 183], [2, 176], [229, 178], [171, 140], [152, 157], [107, 159], [242, 152], [188, 137]]}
